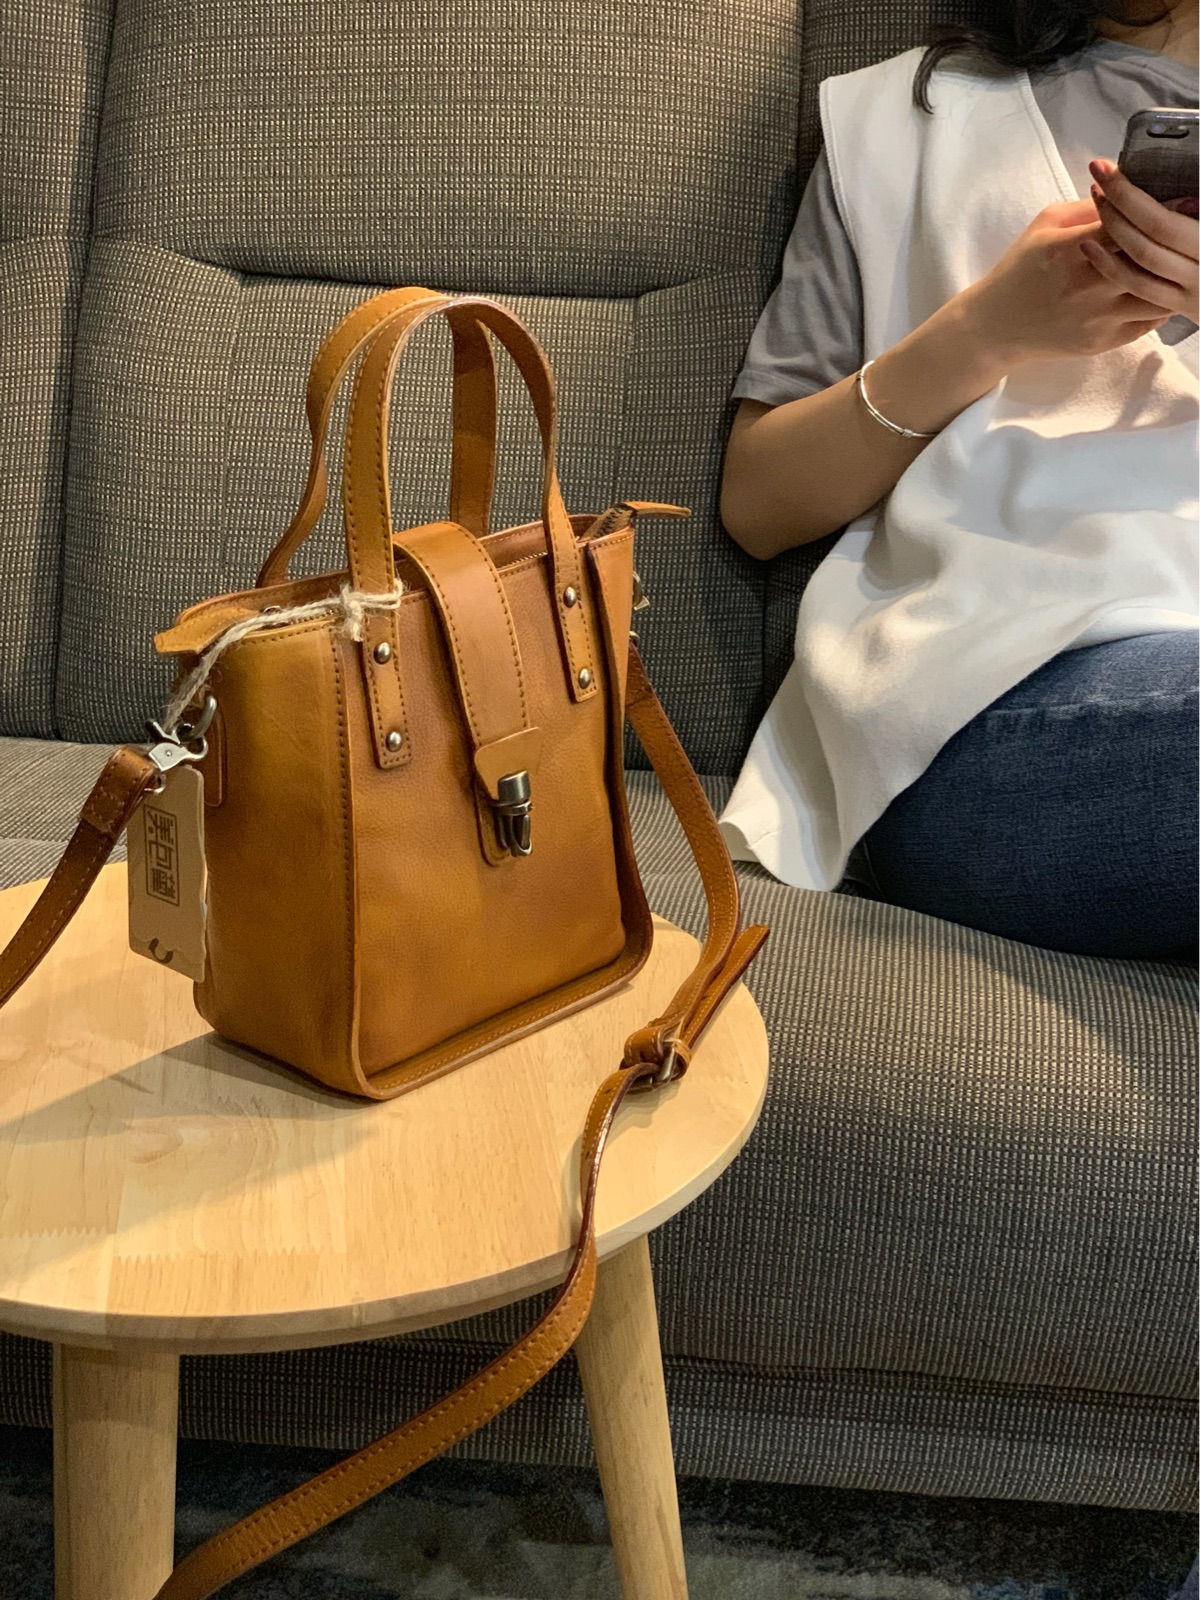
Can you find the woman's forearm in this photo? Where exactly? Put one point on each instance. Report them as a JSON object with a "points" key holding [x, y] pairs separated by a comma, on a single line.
{"points": [[795, 472]]}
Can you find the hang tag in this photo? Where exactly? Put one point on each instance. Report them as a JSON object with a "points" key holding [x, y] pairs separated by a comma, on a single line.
{"points": [[166, 875]]}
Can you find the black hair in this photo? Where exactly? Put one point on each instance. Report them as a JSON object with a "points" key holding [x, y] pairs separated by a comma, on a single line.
{"points": [[1024, 33]]}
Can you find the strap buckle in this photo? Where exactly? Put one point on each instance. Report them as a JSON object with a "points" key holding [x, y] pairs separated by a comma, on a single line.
{"points": [[672, 1066]]}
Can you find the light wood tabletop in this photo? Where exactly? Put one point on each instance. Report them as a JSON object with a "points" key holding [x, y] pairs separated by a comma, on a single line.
{"points": [[165, 1191], [163, 1185]]}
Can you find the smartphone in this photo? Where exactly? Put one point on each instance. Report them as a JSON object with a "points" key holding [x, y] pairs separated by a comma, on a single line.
{"points": [[1160, 154]]}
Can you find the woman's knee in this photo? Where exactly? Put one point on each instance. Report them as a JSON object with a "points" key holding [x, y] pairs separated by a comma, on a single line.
{"points": [[1067, 818]]}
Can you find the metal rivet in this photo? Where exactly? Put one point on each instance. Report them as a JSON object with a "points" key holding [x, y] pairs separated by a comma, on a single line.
{"points": [[585, 678], [382, 653], [394, 740], [570, 597]]}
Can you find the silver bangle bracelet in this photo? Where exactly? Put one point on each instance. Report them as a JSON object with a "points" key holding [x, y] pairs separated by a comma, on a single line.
{"points": [[894, 427]]}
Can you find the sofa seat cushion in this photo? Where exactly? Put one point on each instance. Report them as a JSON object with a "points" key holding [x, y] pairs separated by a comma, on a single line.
{"points": [[974, 1163], [43, 783]]}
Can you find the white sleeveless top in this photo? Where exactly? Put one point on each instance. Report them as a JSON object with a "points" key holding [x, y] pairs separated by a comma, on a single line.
{"points": [[1056, 511]]}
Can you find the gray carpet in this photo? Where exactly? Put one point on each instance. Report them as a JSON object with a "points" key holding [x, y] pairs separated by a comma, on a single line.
{"points": [[469, 1531]]}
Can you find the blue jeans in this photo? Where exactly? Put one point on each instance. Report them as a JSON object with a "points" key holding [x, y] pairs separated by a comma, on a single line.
{"points": [[1065, 814]]}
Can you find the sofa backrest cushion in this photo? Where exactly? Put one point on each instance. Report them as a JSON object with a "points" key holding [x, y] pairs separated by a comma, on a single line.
{"points": [[625, 176], [622, 174], [51, 80]]}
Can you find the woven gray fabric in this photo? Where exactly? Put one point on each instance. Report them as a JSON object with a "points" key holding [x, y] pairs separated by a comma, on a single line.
{"points": [[190, 442], [899, 1433], [51, 74], [481, 146], [516, 148], [52, 56], [42, 786], [975, 1162], [702, 636], [976, 1159], [43, 783], [39, 294], [954, 1257], [847, 1429], [189, 451], [963, 1224]]}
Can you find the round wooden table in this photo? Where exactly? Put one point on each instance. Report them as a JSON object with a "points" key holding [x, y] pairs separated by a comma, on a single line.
{"points": [[165, 1192]]}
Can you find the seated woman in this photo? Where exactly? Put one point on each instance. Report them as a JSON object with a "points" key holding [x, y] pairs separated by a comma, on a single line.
{"points": [[992, 713]]}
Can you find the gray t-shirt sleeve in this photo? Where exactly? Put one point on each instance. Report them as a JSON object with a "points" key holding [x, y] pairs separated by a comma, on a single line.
{"points": [[810, 333]]}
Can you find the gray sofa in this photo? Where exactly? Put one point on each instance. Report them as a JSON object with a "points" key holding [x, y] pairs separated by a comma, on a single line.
{"points": [[954, 1259]]}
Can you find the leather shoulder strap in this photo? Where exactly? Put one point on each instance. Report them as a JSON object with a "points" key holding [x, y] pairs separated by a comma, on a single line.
{"points": [[118, 792], [654, 1055], [728, 948], [323, 1499]]}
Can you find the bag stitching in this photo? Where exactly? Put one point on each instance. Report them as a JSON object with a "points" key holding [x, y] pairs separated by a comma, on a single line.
{"points": [[347, 858]]}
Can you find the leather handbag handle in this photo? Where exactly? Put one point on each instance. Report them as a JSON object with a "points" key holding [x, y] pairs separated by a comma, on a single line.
{"points": [[472, 468], [367, 497]]}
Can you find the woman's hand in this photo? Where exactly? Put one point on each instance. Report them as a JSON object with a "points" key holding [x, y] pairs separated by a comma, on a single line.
{"points": [[1147, 248], [1045, 298]]}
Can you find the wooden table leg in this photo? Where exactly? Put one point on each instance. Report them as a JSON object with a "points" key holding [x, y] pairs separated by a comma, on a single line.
{"points": [[115, 1420], [620, 1363]]}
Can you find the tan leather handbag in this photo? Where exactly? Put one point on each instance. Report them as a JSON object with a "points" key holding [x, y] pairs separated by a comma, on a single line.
{"points": [[417, 840]]}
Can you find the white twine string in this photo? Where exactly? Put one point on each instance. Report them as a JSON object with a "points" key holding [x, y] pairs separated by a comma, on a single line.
{"points": [[352, 603]]}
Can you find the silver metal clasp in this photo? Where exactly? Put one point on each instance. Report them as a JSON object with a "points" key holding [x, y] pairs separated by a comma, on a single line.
{"points": [[641, 602], [172, 747], [511, 809]]}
